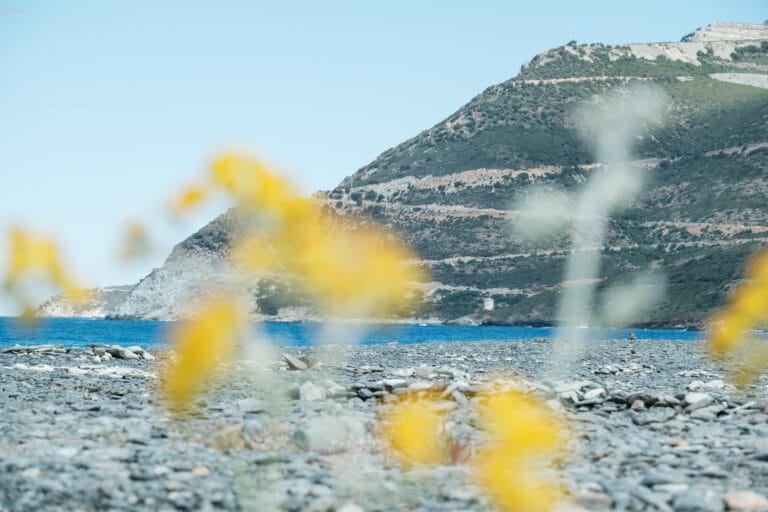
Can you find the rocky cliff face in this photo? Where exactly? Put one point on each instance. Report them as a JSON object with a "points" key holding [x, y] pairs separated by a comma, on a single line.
{"points": [[451, 188], [104, 301], [719, 31], [197, 264]]}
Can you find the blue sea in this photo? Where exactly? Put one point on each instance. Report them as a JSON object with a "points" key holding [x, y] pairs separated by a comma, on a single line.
{"points": [[76, 332]]}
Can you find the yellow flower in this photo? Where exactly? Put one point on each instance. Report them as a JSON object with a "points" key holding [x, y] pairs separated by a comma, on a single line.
{"points": [[726, 333], [36, 257], [521, 433], [189, 199], [252, 184], [751, 366], [728, 329], [203, 345], [414, 432], [355, 270], [256, 254], [31, 254], [348, 268]]}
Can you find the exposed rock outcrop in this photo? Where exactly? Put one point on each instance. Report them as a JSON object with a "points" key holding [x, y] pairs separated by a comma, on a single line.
{"points": [[103, 302], [724, 31]]}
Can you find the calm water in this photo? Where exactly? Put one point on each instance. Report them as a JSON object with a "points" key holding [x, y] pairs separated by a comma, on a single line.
{"points": [[81, 332]]}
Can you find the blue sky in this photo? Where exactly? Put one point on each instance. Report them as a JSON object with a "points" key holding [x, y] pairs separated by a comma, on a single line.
{"points": [[107, 108]]}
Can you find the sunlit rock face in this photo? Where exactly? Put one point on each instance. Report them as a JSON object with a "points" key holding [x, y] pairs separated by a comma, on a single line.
{"points": [[720, 31], [104, 302], [450, 189], [197, 264]]}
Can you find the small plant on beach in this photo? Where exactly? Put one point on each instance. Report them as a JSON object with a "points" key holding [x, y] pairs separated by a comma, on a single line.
{"points": [[415, 433], [729, 335], [203, 345], [34, 260], [521, 434]]}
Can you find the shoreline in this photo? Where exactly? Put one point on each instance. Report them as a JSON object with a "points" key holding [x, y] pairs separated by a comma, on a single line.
{"points": [[456, 322], [647, 326]]}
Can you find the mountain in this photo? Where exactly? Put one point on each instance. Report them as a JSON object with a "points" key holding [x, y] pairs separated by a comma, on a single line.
{"points": [[450, 189]]}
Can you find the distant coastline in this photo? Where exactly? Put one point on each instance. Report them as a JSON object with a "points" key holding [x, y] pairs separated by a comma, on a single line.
{"points": [[464, 321]]}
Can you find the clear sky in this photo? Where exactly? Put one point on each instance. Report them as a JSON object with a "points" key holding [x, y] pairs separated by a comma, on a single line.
{"points": [[108, 107]]}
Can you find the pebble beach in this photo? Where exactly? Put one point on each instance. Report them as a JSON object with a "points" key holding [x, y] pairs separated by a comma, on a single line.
{"points": [[652, 425]]}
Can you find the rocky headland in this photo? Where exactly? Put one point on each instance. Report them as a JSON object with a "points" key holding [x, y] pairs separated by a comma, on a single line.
{"points": [[452, 190]]}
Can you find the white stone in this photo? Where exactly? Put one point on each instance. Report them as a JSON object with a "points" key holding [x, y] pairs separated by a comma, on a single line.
{"points": [[715, 384], [445, 406], [68, 451], [697, 400], [395, 383], [34, 368], [420, 385], [246, 405], [745, 500], [564, 387], [593, 393], [129, 354], [309, 392], [333, 388], [334, 433], [350, 507], [459, 397], [707, 413], [459, 385], [119, 372], [294, 363]]}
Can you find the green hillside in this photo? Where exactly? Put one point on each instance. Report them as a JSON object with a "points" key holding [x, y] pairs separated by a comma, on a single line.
{"points": [[703, 211]]}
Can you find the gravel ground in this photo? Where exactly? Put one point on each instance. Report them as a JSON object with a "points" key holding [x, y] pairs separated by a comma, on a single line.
{"points": [[652, 427]]}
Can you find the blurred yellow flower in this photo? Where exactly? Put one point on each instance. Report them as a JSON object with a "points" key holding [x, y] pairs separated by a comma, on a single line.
{"points": [[521, 433], [414, 431], [349, 268], [252, 184], [203, 345], [37, 258], [372, 269], [136, 242], [749, 368], [189, 199], [729, 328]]}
